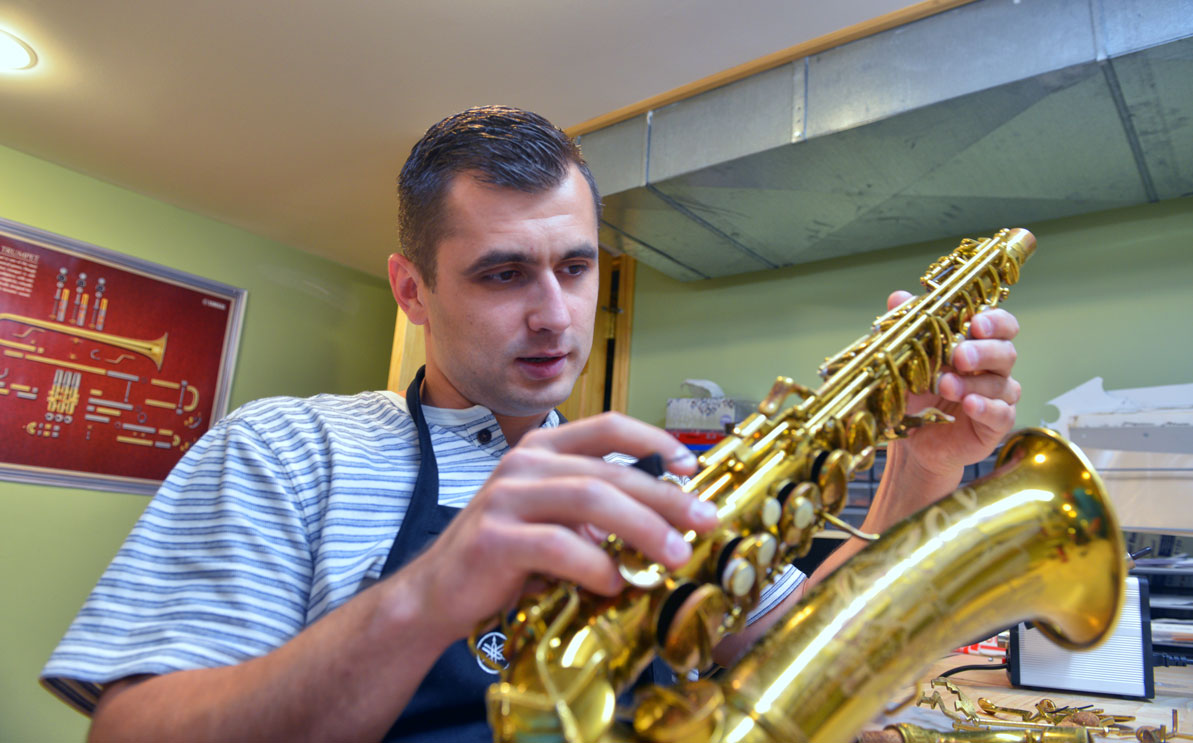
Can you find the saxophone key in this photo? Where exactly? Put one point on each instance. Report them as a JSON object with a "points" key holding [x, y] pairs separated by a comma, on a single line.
{"points": [[772, 511], [639, 572], [688, 712], [832, 475], [800, 501], [860, 436], [689, 621], [919, 368], [739, 577]]}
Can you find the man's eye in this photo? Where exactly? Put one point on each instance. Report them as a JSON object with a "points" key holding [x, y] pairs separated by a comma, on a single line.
{"points": [[575, 269], [502, 277]]}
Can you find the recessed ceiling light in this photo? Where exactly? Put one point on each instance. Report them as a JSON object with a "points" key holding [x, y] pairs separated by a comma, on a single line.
{"points": [[15, 54]]}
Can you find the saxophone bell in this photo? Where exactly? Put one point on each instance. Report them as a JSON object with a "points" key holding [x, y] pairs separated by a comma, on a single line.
{"points": [[1035, 540]]}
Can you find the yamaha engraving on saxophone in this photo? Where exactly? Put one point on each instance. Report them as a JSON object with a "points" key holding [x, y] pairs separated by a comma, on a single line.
{"points": [[1035, 541]]}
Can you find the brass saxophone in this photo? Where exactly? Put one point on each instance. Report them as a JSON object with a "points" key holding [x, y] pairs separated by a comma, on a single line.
{"points": [[1038, 541]]}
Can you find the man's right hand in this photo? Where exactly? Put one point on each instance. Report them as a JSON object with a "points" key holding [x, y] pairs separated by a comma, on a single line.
{"points": [[349, 675], [533, 515]]}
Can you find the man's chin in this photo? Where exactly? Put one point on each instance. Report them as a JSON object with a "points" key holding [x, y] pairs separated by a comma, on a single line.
{"points": [[525, 400]]}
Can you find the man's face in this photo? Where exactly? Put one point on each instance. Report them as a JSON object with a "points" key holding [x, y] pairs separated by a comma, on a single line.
{"points": [[509, 324]]}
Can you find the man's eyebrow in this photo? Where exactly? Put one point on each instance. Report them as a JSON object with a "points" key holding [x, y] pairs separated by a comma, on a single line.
{"points": [[503, 257], [581, 251], [497, 258]]}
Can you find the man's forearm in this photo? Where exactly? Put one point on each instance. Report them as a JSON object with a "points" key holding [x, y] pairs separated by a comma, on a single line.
{"points": [[346, 677]]}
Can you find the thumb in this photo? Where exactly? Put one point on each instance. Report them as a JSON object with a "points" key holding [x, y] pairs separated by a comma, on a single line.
{"points": [[897, 298]]}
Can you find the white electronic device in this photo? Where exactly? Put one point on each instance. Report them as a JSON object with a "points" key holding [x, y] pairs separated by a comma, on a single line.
{"points": [[1120, 666]]}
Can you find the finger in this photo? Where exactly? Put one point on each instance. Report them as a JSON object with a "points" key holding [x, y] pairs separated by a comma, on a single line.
{"points": [[595, 534], [984, 356], [579, 501], [956, 387], [991, 418], [559, 552], [996, 323], [614, 432], [532, 466], [897, 298]]}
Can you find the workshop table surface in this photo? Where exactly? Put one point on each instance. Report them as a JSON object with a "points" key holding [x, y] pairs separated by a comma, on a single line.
{"points": [[1173, 686]]}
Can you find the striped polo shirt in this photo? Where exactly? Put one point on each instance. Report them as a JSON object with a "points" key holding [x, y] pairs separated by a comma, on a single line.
{"points": [[280, 513]]}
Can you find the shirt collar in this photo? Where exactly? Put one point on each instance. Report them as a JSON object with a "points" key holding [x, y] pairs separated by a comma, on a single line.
{"points": [[467, 423]]}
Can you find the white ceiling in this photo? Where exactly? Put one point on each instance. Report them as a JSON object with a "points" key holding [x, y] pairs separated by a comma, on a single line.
{"points": [[291, 118]]}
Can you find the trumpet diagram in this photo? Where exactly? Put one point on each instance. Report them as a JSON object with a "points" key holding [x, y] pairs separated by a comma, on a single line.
{"points": [[63, 376]]}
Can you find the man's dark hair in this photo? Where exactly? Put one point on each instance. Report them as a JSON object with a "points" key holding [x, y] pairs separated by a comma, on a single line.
{"points": [[498, 145]]}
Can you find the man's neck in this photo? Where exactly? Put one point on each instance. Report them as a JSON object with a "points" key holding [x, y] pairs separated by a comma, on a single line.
{"points": [[438, 392], [514, 428]]}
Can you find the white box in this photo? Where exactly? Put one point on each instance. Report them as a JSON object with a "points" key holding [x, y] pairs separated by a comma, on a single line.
{"points": [[706, 413]]}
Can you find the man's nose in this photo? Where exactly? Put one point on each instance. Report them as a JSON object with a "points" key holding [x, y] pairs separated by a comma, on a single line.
{"points": [[550, 311]]}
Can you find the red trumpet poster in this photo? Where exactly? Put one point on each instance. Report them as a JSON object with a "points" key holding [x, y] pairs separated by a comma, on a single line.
{"points": [[111, 367]]}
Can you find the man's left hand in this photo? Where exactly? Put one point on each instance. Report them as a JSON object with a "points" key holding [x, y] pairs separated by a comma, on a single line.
{"points": [[976, 388]]}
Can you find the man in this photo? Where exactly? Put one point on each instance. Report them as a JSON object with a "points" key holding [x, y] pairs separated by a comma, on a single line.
{"points": [[263, 595]]}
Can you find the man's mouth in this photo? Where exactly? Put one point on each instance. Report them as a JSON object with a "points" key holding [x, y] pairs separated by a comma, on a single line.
{"points": [[542, 367]]}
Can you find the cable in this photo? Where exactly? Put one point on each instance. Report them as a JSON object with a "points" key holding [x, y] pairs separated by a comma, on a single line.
{"points": [[1168, 659], [981, 667]]}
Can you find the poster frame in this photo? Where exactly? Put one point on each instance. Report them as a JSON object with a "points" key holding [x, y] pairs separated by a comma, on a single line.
{"points": [[237, 299]]}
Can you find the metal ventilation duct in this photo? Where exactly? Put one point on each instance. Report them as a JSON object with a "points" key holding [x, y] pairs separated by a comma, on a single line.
{"points": [[996, 113]]}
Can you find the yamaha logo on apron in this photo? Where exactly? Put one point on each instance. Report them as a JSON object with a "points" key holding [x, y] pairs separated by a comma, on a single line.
{"points": [[492, 646]]}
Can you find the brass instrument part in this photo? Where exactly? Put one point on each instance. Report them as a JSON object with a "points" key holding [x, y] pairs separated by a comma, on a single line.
{"points": [[134, 440], [193, 391], [865, 630], [20, 346], [154, 349], [849, 528], [991, 708], [1036, 540], [907, 733], [66, 364]]}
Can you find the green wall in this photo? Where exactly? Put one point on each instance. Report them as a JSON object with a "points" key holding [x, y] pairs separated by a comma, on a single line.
{"points": [[1108, 294], [311, 326]]}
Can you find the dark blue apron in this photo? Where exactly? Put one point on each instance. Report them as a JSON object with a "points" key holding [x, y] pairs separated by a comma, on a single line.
{"points": [[449, 705]]}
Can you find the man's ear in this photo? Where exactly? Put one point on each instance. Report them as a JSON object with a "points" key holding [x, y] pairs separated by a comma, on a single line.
{"points": [[408, 288]]}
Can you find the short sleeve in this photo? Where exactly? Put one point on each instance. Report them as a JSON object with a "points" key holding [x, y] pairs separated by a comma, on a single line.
{"points": [[785, 581], [217, 570]]}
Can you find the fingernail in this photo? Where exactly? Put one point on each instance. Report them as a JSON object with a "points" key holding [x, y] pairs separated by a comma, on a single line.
{"points": [[980, 406], [683, 458], [983, 324], [702, 510], [676, 549]]}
